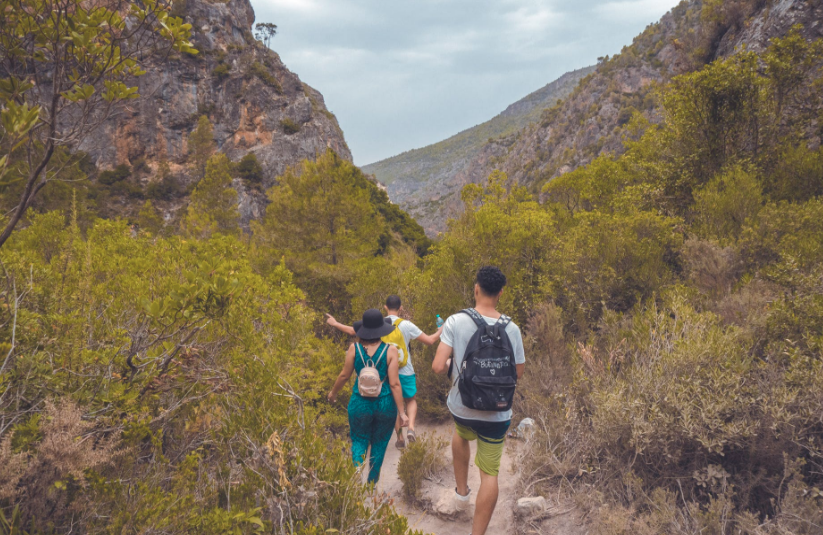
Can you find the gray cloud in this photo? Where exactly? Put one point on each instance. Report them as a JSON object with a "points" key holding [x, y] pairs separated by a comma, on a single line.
{"points": [[404, 74]]}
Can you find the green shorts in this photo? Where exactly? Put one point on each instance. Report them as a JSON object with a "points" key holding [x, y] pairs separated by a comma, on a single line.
{"points": [[409, 385], [491, 439]]}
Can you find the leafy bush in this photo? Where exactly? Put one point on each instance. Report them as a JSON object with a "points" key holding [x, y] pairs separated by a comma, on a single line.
{"points": [[221, 71], [127, 188], [726, 202], [249, 169], [419, 460], [202, 374], [289, 127], [260, 71], [164, 189], [119, 173], [674, 400]]}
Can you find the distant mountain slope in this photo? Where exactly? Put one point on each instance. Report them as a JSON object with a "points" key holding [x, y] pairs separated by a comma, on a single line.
{"points": [[591, 120], [420, 172]]}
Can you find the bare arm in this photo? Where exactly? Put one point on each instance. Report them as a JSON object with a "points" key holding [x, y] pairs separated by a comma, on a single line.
{"points": [[348, 329], [344, 376], [430, 339], [440, 365], [394, 383], [520, 369]]}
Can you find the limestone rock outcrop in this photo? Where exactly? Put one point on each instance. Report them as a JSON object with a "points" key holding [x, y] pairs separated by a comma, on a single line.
{"points": [[256, 104]]}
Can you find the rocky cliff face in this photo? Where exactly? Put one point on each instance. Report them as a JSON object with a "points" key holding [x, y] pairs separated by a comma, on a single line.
{"points": [[254, 102], [591, 120]]}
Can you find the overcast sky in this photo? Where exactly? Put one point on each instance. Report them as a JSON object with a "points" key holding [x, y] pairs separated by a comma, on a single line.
{"points": [[402, 74]]}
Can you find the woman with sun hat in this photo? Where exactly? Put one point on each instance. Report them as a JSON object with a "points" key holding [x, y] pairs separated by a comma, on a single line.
{"points": [[371, 419]]}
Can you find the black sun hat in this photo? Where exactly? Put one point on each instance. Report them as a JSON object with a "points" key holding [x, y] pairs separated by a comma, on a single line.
{"points": [[373, 325], [359, 323]]}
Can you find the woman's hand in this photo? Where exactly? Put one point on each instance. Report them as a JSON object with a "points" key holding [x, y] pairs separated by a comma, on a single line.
{"points": [[330, 320], [332, 397], [404, 420]]}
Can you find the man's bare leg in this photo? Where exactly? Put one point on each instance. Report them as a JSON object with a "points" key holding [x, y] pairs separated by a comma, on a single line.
{"points": [[486, 502], [461, 453]]}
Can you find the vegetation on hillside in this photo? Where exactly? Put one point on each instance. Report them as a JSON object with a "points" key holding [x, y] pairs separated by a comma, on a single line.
{"points": [[63, 73], [684, 278], [168, 376]]}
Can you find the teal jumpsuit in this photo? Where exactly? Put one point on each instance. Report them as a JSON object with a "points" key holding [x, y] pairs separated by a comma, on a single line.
{"points": [[371, 420]]}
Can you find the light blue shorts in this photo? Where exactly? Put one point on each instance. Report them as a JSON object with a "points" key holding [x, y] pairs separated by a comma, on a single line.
{"points": [[409, 386]]}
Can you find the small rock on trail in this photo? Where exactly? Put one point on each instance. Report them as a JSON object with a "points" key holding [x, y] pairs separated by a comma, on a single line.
{"points": [[436, 494]]}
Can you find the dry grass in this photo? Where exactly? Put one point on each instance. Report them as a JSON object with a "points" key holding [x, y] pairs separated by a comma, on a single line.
{"points": [[43, 480]]}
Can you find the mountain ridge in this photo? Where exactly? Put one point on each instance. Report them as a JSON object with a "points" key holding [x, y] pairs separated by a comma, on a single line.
{"points": [[591, 120], [432, 163]]}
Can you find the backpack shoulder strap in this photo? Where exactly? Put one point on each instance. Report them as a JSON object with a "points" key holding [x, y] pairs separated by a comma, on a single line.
{"points": [[475, 315], [380, 353], [490, 330], [502, 322], [359, 350], [397, 322]]}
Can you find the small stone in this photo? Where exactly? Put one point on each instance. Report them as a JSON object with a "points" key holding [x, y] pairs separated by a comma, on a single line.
{"points": [[530, 506], [526, 428], [448, 506]]}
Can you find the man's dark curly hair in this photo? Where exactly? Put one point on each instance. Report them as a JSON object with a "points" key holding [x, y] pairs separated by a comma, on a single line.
{"points": [[491, 280]]}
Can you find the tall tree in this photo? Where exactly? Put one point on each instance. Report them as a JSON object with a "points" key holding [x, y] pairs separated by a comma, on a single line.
{"points": [[265, 31], [213, 205], [322, 220], [64, 65], [149, 219], [201, 145]]}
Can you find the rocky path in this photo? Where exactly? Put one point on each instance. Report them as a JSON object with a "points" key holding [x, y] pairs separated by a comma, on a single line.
{"points": [[430, 516]]}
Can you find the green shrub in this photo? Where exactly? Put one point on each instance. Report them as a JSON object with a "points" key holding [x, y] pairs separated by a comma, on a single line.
{"points": [[183, 348], [221, 71], [419, 460], [289, 127], [724, 204], [163, 189], [119, 173], [127, 188], [139, 166], [249, 169], [260, 71], [671, 399]]}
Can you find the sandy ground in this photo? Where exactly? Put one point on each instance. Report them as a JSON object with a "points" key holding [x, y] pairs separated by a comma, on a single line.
{"points": [[423, 516]]}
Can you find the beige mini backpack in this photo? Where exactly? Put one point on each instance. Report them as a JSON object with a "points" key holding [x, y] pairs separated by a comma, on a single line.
{"points": [[369, 384]]}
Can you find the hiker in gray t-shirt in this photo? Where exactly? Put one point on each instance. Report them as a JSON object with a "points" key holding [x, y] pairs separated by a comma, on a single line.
{"points": [[487, 427]]}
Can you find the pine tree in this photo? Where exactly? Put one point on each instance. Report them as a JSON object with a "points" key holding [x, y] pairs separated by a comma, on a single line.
{"points": [[213, 204], [201, 145], [149, 219], [322, 219]]}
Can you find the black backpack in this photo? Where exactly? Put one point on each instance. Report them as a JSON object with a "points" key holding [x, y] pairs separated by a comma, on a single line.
{"points": [[487, 376]]}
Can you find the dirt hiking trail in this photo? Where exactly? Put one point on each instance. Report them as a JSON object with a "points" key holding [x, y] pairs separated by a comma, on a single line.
{"points": [[430, 516]]}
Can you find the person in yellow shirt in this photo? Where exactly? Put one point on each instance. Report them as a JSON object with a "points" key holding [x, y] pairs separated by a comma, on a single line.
{"points": [[408, 380]]}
